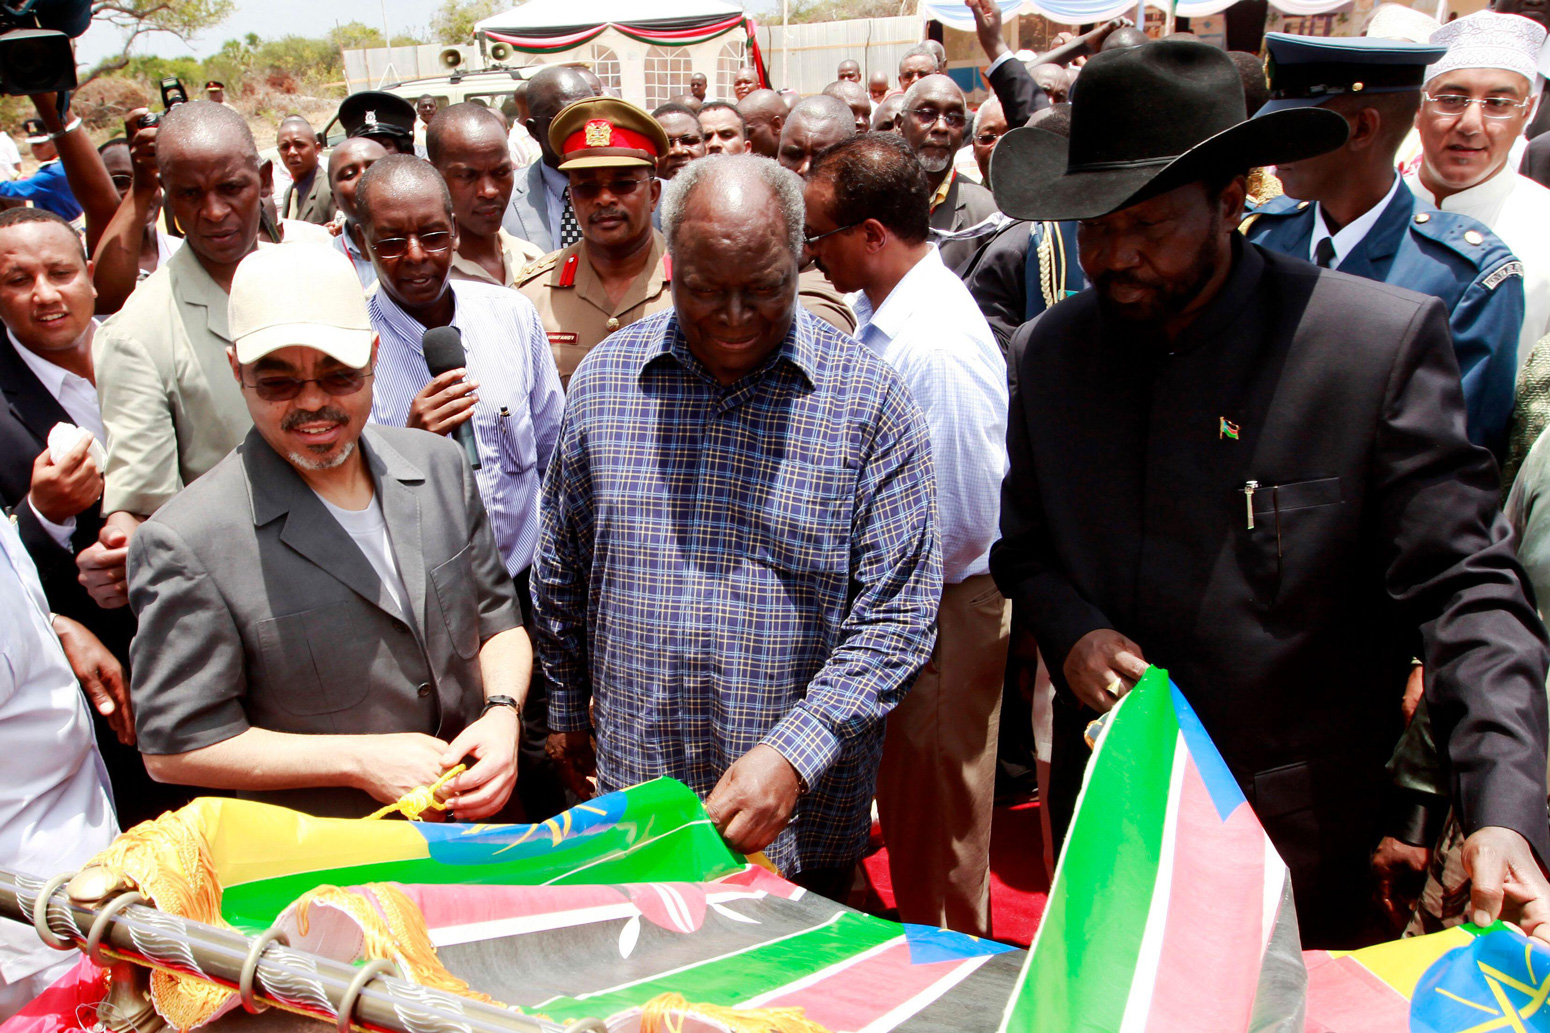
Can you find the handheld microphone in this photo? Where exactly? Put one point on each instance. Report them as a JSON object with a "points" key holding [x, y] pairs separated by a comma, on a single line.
{"points": [[443, 348]]}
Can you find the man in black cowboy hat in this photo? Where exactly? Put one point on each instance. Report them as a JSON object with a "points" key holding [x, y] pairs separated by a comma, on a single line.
{"points": [[1254, 473]]}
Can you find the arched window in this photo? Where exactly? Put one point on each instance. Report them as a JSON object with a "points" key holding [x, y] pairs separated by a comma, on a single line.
{"points": [[667, 74], [727, 63], [605, 64]]}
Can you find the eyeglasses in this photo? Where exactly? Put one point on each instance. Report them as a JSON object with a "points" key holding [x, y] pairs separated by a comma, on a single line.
{"points": [[1454, 104], [283, 389], [617, 187], [986, 139], [810, 241], [929, 116], [432, 243]]}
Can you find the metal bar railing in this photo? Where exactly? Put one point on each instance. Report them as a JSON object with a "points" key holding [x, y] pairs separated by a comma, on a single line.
{"points": [[116, 929]]}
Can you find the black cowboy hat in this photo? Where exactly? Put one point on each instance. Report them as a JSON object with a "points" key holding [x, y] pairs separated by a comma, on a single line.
{"points": [[1145, 120]]}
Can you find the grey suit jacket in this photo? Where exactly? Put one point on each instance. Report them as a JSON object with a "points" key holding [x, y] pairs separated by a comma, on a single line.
{"points": [[257, 609], [527, 216], [317, 206]]}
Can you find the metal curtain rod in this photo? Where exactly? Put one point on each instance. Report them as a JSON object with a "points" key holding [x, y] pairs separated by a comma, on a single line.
{"points": [[119, 928]]}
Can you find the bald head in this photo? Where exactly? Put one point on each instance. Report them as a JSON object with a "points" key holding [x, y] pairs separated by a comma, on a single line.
{"points": [[548, 93], [854, 96], [734, 227], [400, 178], [848, 71], [205, 127], [1123, 37], [877, 85], [210, 179], [461, 125], [938, 89], [815, 124], [940, 53], [764, 113], [934, 121], [1052, 80], [348, 162]]}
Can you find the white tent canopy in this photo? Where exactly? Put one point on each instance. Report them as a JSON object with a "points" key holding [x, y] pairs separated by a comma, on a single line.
{"points": [[955, 13], [542, 15]]}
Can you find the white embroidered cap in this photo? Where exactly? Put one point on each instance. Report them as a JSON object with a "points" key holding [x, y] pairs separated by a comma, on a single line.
{"points": [[1487, 39]]}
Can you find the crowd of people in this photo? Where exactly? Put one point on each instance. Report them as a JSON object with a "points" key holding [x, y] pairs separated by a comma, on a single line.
{"points": [[773, 443]]}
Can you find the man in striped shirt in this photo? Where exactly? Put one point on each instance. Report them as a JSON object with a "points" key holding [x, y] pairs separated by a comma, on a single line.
{"points": [[509, 390]]}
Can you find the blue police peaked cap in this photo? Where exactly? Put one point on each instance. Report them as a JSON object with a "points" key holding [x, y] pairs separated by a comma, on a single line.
{"points": [[1305, 71]]}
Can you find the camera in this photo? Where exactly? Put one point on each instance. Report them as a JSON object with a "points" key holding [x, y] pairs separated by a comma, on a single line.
{"points": [[36, 55], [147, 120], [172, 93]]}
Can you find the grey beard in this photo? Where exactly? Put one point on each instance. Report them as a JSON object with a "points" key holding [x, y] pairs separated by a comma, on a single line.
{"points": [[934, 164], [336, 460]]}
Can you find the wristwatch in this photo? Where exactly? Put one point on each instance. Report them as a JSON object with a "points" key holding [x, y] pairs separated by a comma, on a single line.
{"points": [[501, 701]]}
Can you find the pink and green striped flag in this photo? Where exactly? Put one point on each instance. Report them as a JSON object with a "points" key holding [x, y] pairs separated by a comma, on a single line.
{"points": [[1170, 909]]}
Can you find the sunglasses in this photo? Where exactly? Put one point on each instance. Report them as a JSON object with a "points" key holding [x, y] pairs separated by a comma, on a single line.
{"points": [[433, 243], [283, 389], [617, 187], [929, 117]]}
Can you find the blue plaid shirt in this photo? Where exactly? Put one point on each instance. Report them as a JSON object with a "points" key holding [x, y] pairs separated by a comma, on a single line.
{"points": [[724, 566]]}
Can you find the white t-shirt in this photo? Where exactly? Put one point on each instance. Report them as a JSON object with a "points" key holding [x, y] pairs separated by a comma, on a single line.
{"points": [[370, 533]]}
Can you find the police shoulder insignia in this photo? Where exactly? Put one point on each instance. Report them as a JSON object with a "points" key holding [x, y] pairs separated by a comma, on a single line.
{"points": [[1503, 272]]}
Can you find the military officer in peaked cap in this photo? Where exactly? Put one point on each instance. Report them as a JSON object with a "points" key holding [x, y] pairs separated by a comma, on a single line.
{"points": [[1349, 210], [379, 116], [619, 271]]}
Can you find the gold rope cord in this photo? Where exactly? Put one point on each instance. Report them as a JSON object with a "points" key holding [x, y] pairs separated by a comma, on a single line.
{"points": [[1047, 280], [392, 928]]}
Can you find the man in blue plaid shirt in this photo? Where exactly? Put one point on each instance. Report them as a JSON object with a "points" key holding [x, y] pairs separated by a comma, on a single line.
{"points": [[738, 564]]}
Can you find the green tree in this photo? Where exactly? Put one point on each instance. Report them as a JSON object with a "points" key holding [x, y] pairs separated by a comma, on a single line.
{"points": [[454, 20], [135, 18]]}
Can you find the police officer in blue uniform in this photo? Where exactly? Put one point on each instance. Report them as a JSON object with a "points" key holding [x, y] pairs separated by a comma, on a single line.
{"points": [[1349, 210]]}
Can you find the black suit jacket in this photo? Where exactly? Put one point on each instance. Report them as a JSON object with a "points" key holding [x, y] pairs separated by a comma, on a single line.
{"points": [[30, 412], [1019, 95], [1536, 160], [1125, 508]]}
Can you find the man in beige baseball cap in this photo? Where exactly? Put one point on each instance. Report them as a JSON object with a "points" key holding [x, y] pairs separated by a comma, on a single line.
{"points": [[325, 620]]}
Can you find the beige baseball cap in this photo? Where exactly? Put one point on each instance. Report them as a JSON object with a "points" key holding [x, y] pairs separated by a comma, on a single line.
{"points": [[299, 294]]}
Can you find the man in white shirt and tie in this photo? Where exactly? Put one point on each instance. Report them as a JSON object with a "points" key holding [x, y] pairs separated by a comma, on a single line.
{"points": [[868, 227]]}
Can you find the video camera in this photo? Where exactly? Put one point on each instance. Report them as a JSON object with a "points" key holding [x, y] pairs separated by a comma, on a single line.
{"points": [[36, 55]]}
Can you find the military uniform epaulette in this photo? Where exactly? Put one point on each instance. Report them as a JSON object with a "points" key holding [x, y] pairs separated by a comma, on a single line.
{"points": [[1279, 205], [538, 266], [1466, 237]]}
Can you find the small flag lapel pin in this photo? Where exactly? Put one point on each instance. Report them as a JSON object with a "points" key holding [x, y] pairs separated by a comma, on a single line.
{"points": [[1226, 429]]}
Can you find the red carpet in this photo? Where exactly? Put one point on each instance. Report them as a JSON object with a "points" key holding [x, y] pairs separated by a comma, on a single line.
{"points": [[1018, 886]]}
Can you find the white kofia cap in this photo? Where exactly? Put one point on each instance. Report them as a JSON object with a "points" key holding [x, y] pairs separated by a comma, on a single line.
{"points": [[1396, 21], [299, 294], [1487, 39]]}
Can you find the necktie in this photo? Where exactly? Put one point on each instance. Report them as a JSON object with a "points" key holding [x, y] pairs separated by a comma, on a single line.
{"points": [[570, 230], [1324, 253]]}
